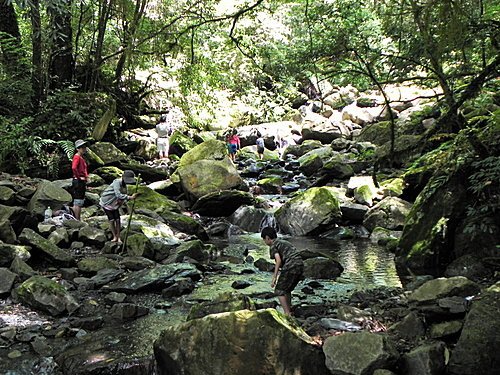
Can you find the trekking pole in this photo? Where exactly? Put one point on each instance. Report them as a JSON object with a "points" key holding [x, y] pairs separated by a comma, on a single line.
{"points": [[124, 246]]}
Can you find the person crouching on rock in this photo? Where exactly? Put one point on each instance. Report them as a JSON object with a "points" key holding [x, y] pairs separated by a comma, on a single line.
{"points": [[289, 261], [113, 197], [80, 177]]}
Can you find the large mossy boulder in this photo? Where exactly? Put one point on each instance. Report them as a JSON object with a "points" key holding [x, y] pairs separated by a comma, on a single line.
{"points": [[44, 249], [50, 195], [242, 342], [303, 148], [378, 133], [46, 295], [208, 176], [309, 212], [389, 213], [224, 302], [106, 152], [208, 150], [428, 235], [359, 353], [151, 200], [477, 349], [95, 264], [248, 218]]}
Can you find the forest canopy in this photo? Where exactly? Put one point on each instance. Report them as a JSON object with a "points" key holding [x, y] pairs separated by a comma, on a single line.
{"points": [[232, 62]]}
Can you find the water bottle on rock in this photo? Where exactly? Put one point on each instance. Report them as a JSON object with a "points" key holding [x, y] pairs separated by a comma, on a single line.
{"points": [[48, 214]]}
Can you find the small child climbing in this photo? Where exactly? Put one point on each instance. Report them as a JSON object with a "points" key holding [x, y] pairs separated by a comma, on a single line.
{"points": [[289, 261], [260, 145], [233, 144]]}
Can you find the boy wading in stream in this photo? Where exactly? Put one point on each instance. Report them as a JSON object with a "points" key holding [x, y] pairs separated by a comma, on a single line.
{"points": [[289, 261], [113, 197]]}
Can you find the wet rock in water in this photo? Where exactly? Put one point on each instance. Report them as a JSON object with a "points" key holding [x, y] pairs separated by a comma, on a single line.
{"points": [[322, 268], [92, 236], [137, 263], [339, 325], [222, 203], [445, 329], [224, 302], [7, 279], [311, 162], [124, 311], [9, 252], [7, 233], [270, 185], [339, 233], [410, 328], [139, 245], [382, 236], [248, 218], [467, 266], [153, 279], [436, 289], [353, 314], [390, 213], [127, 349], [263, 265], [229, 346], [41, 346], [241, 284], [21, 268], [476, 351], [309, 212], [47, 295], [181, 287], [208, 176], [95, 264], [45, 249], [50, 195], [425, 359], [359, 353]]}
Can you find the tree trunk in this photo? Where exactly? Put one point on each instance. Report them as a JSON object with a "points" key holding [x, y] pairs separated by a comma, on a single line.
{"points": [[10, 41], [61, 59], [96, 60], [36, 59]]}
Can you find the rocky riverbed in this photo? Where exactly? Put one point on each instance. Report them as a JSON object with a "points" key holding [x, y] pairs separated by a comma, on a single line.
{"points": [[190, 292]]}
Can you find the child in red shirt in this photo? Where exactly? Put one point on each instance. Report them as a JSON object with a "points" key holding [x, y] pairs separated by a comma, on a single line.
{"points": [[80, 176]]}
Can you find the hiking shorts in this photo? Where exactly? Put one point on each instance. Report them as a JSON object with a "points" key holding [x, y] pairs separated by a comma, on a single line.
{"points": [[260, 150], [163, 145], [233, 147], [288, 280], [78, 189], [112, 214]]}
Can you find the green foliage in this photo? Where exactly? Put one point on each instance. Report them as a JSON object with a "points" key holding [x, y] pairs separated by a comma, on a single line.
{"points": [[70, 115]]}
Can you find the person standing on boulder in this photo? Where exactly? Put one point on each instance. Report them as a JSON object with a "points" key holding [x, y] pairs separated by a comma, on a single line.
{"points": [[260, 145], [113, 197], [80, 177], [164, 130], [289, 262], [234, 144]]}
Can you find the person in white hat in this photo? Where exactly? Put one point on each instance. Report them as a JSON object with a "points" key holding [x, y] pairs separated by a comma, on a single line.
{"points": [[80, 177], [113, 197]]}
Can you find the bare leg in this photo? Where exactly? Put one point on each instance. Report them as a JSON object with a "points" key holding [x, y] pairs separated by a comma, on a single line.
{"points": [[113, 230], [117, 230], [77, 210], [284, 301]]}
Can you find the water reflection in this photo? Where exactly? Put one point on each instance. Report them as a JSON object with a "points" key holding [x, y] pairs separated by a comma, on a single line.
{"points": [[365, 264]]}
